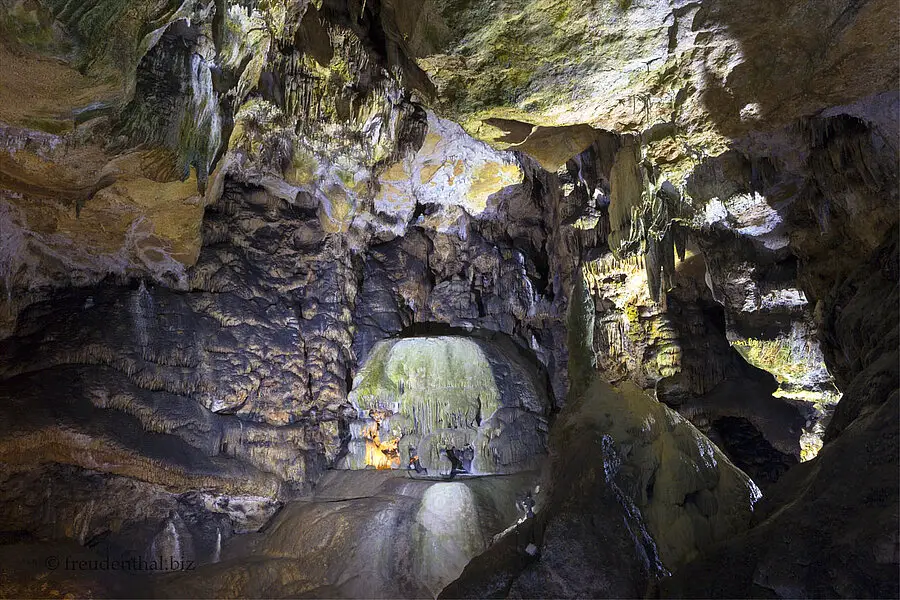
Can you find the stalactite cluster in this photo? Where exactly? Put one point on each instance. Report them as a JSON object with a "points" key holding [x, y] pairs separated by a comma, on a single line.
{"points": [[644, 216]]}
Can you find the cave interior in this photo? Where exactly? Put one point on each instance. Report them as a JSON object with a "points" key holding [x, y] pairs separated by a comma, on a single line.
{"points": [[449, 299]]}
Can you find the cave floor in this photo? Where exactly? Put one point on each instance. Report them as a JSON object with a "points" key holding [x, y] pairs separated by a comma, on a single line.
{"points": [[360, 534]]}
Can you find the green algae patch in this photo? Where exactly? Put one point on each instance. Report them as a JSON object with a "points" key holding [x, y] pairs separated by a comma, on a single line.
{"points": [[777, 356], [253, 122], [336, 210], [31, 25], [302, 170], [136, 23]]}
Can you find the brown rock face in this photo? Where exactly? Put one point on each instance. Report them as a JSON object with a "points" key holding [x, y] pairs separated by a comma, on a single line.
{"points": [[819, 535]]}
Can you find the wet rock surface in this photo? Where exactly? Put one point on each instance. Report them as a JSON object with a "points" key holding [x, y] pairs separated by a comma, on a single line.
{"points": [[375, 534], [364, 533]]}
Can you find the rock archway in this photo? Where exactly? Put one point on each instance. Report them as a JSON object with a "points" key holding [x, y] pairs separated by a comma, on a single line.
{"points": [[434, 392]]}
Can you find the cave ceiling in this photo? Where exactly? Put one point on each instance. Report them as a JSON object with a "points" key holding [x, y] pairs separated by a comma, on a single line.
{"points": [[108, 100]]}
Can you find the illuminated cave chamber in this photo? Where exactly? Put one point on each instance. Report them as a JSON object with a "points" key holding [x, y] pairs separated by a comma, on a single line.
{"points": [[431, 393]]}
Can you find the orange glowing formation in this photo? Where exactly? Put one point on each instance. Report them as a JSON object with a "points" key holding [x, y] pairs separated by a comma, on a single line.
{"points": [[381, 455]]}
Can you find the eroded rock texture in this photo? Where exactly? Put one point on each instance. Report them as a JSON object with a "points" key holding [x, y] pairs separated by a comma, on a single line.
{"points": [[251, 250], [841, 495]]}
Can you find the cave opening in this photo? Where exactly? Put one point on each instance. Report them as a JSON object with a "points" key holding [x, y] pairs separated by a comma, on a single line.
{"points": [[749, 450], [448, 402]]}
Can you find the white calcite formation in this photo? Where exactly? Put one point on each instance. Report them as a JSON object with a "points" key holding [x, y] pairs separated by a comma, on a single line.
{"points": [[435, 393]]}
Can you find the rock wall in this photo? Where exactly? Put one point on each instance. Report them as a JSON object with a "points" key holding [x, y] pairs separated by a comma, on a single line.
{"points": [[633, 489], [234, 377], [827, 529]]}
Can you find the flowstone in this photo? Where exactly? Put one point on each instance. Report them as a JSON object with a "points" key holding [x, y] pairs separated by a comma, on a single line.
{"points": [[431, 393]]}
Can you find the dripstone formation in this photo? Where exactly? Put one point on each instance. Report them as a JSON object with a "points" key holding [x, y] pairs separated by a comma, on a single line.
{"points": [[509, 298]]}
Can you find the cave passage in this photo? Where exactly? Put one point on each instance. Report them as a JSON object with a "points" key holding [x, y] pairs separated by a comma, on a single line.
{"points": [[461, 404]]}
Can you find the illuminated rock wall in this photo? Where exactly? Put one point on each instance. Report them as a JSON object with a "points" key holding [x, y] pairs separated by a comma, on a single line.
{"points": [[434, 392]]}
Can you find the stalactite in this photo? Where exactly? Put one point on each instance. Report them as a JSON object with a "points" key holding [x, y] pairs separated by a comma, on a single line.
{"points": [[679, 238], [667, 248], [627, 190], [653, 261]]}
